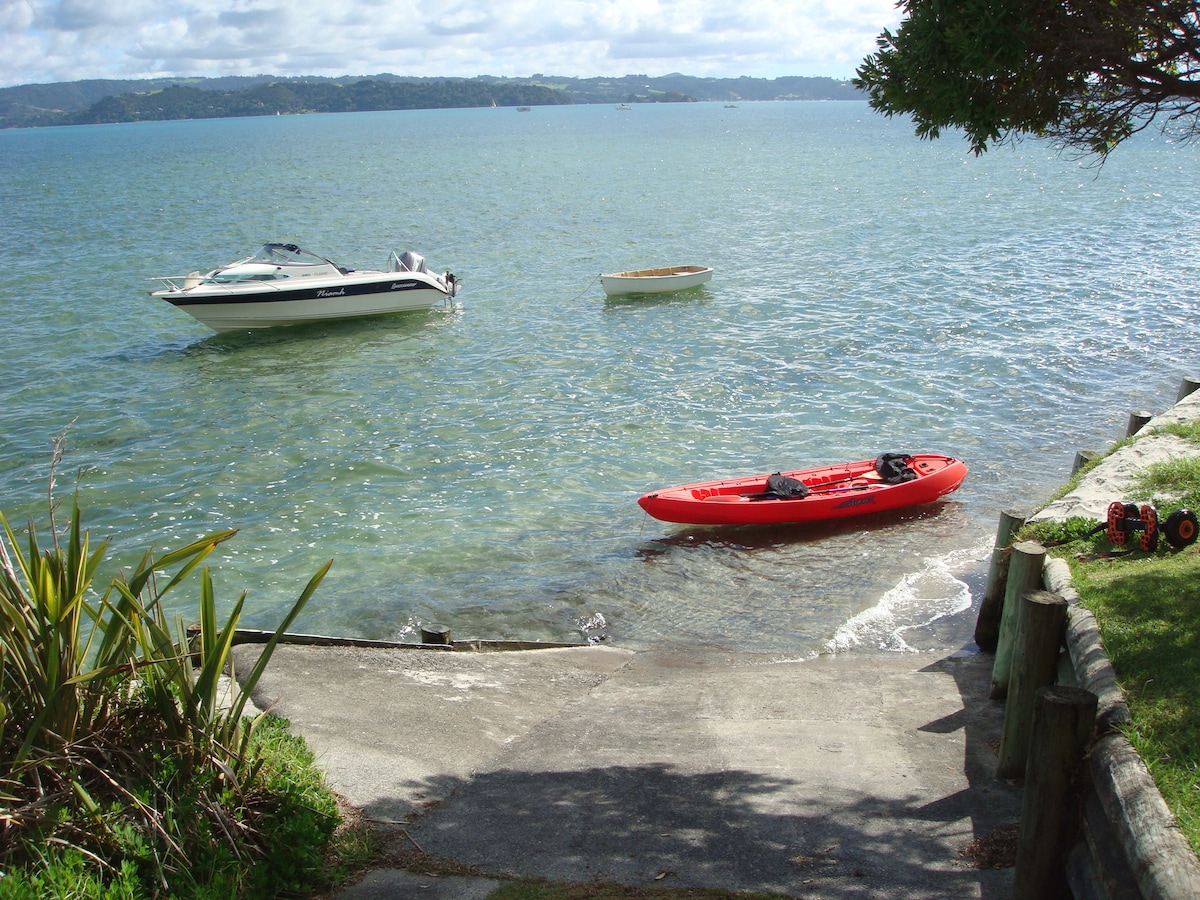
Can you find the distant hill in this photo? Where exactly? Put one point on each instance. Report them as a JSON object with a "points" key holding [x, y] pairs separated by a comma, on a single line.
{"points": [[98, 101]]}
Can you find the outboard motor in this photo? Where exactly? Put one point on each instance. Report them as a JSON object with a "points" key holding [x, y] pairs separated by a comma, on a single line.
{"points": [[407, 262]]}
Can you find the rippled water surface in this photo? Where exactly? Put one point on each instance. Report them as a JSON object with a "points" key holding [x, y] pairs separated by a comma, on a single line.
{"points": [[478, 466]]}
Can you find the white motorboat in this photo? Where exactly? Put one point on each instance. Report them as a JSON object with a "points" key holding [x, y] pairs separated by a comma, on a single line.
{"points": [[666, 280], [283, 284]]}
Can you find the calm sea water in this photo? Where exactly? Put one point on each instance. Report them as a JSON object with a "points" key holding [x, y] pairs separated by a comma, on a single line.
{"points": [[478, 466]]}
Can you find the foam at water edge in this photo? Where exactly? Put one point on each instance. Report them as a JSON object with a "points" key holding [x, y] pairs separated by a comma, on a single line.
{"points": [[931, 593]]}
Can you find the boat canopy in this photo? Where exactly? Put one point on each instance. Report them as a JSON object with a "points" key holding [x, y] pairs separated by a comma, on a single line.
{"points": [[273, 262], [287, 255]]}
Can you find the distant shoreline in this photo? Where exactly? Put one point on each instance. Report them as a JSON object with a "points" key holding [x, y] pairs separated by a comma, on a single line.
{"points": [[173, 99]]}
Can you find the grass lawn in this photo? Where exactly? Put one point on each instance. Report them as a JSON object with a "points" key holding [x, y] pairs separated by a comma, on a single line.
{"points": [[1149, 615]]}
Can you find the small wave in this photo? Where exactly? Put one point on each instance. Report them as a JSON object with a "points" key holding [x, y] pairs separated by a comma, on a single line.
{"points": [[920, 599]]}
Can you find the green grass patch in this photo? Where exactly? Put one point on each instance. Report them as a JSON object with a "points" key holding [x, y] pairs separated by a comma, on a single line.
{"points": [[1189, 431], [1170, 478], [1148, 609]]}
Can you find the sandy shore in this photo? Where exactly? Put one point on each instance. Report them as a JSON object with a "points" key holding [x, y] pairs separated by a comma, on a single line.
{"points": [[1113, 478]]}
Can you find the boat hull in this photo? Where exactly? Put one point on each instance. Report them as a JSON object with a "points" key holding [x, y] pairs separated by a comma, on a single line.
{"points": [[237, 308], [837, 491], [667, 280]]}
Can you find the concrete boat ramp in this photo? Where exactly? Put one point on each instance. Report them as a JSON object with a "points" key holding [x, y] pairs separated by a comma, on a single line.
{"points": [[864, 775]]}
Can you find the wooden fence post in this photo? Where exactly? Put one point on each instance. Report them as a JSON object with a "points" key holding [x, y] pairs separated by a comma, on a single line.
{"points": [[1062, 723], [435, 634], [1082, 458], [1024, 574], [987, 625], [1137, 421], [1041, 624]]}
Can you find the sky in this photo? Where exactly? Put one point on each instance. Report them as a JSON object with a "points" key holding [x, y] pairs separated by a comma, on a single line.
{"points": [[69, 40]]}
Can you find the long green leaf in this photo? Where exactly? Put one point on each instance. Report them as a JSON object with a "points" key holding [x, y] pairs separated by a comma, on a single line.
{"points": [[194, 554], [264, 657], [215, 649]]}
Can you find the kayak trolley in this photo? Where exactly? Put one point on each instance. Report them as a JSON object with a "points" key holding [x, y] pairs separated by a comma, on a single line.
{"points": [[1128, 519]]}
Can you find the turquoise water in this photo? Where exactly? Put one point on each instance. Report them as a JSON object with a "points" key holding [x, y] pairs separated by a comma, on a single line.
{"points": [[478, 466]]}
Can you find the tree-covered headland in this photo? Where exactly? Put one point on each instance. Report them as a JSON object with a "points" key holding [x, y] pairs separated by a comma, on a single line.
{"points": [[98, 102]]}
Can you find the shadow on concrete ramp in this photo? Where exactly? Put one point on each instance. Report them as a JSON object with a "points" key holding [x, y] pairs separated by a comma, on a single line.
{"points": [[858, 775], [733, 829]]}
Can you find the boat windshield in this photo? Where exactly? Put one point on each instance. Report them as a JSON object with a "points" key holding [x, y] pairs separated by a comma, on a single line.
{"points": [[286, 255], [239, 276]]}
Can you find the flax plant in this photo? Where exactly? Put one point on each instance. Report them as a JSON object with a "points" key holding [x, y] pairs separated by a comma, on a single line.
{"points": [[113, 733]]}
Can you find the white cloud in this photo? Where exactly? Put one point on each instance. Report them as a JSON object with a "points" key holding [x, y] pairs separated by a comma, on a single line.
{"points": [[66, 40]]}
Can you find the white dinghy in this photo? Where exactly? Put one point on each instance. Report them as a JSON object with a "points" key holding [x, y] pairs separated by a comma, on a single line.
{"points": [[665, 280]]}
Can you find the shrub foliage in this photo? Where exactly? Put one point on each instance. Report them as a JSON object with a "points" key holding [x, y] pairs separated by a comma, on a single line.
{"points": [[122, 748]]}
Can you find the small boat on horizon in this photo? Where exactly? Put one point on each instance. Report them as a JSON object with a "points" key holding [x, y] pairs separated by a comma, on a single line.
{"points": [[890, 481], [283, 284], [664, 280]]}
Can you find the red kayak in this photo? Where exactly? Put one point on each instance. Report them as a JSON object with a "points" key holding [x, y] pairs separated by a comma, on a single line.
{"points": [[891, 481]]}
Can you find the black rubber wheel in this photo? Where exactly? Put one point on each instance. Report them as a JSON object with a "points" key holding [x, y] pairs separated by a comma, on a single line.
{"points": [[1180, 528]]}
